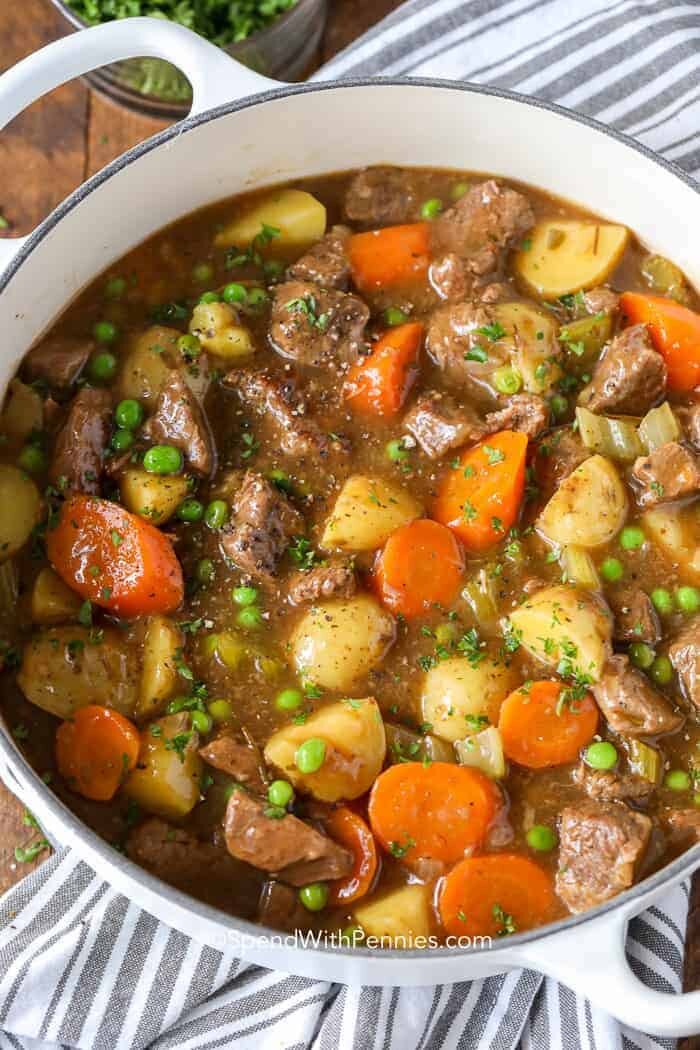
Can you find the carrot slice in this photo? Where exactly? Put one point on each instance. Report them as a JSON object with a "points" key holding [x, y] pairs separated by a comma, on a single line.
{"points": [[379, 383], [393, 255], [436, 811], [114, 558], [480, 497], [350, 830], [675, 332], [421, 566], [95, 751], [538, 729], [495, 894]]}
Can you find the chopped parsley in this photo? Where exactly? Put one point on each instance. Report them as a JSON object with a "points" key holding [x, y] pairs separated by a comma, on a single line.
{"points": [[504, 921], [308, 307], [477, 353], [399, 850], [252, 254], [494, 455], [26, 854], [492, 332], [302, 553]]}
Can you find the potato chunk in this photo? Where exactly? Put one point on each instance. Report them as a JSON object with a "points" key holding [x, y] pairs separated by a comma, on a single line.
{"points": [[159, 677], [147, 363], [588, 508], [21, 510], [457, 696], [217, 328], [398, 917], [297, 216], [167, 778], [52, 600], [337, 643], [366, 513], [565, 623], [154, 497], [355, 743], [564, 256], [23, 412], [676, 530]]}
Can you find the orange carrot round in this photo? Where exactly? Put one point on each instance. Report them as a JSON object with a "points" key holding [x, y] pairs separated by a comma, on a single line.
{"points": [[494, 895], [95, 751], [379, 384], [114, 558], [675, 332], [350, 830], [480, 496], [540, 727], [391, 256], [436, 811], [421, 566]]}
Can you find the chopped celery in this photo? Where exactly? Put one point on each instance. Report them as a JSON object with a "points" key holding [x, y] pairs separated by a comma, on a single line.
{"points": [[658, 427], [578, 567], [480, 593], [586, 337], [664, 278], [644, 760], [483, 751], [616, 438], [404, 745]]}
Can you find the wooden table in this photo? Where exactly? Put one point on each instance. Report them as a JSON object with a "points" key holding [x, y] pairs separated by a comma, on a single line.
{"points": [[50, 150]]}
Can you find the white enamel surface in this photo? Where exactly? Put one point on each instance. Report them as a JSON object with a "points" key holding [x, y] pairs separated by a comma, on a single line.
{"points": [[281, 138]]}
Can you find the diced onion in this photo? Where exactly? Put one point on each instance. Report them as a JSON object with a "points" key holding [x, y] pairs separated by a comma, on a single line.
{"points": [[578, 567], [645, 761], [658, 427], [483, 751], [480, 593], [616, 438]]}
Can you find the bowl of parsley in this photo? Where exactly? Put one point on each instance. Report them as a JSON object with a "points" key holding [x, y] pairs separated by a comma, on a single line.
{"points": [[278, 38]]}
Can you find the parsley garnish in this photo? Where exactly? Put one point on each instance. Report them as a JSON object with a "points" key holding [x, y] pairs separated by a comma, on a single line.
{"points": [[302, 553], [477, 353], [308, 307], [397, 850], [252, 254], [505, 921]]}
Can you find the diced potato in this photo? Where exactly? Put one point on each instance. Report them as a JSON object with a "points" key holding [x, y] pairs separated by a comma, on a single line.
{"points": [[299, 217], [366, 513], [159, 676], [23, 412], [167, 778], [148, 360], [155, 497], [398, 917], [566, 255], [353, 732], [458, 695], [676, 530], [531, 339], [65, 668], [217, 328], [52, 600], [588, 508], [21, 509], [483, 751], [228, 646], [565, 623], [337, 643], [403, 745]]}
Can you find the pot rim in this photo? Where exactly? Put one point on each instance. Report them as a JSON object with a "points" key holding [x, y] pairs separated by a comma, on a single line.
{"points": [[670, 874]]}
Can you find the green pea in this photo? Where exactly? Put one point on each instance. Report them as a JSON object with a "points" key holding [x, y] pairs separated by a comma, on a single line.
{"points": [[632, 538], [202, 272], [128, 414], [559, 406], [105, 332], [458, 190], [115, 288], [541, 838], [430, 209], [289, 700], [394, 316], [507, 380], [245, 595], [641, 655], [661, 670], [396, 452], [257, 297], [216, 514], [601, 755], [310, 755], [688, 600], [280, 793], [281, 479], [189, 346], [102, 367], [220, 710], [249, 618], [122, 440], [352, 934], [677, 780], [201, 721], [204, 571], [314, 897], [612, 570], [662, 600], [209, 297], [32, 459], [445, 633], [234, 293], [163, 459], [190, 510]]}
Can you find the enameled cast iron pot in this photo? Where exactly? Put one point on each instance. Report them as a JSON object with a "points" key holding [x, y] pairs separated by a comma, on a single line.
{"points": [[245, 131]]}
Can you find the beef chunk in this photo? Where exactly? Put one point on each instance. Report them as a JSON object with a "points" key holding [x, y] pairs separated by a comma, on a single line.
{"points": [[335, 580], [526, 413], [317, 327], [58, 362], [670, 472], [241, 762], [285, 846], [557, 455], [630, 703], [453, 331], [76, 465], [449, 277], [491, 293], [602, 844], [439, 425], [381, 196], [609, 785], [179, 420], [635, 616], [483, 224], [261, 527], [326, 263], [689, 417], [685, 657], [279, 907], [629, 378], [601, 300]]}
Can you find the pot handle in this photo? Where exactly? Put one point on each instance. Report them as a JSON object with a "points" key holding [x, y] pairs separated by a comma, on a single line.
{"points": [[591, 960]]}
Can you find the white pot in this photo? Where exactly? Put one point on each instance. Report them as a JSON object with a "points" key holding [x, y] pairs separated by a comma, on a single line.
{"points": [[245, 132]]}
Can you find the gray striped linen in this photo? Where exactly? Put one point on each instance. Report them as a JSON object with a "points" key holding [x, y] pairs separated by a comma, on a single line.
{"points": [[81, 966]]}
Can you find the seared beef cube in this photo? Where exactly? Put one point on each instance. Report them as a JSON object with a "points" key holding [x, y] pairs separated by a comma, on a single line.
{"points": [[58, 362], [448, 276], [689, 418], [276, 400], [526, 413], [241, 762], [317, 327], [326, 263], [452, 334], [282, 845], [630, 703], [261, 527], [557, 455], [668, 473], [381, 196], [483, 224], [279, 907], [685, 657], [629, 378], [635, 618], [610, 786], [601, 300], [81, 442], [179, 420], [439, 425], [602, 845], [491, 293], [337, 579]]}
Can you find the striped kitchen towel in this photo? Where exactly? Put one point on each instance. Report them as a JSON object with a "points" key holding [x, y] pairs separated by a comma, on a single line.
{"points": [[81, 966]]}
